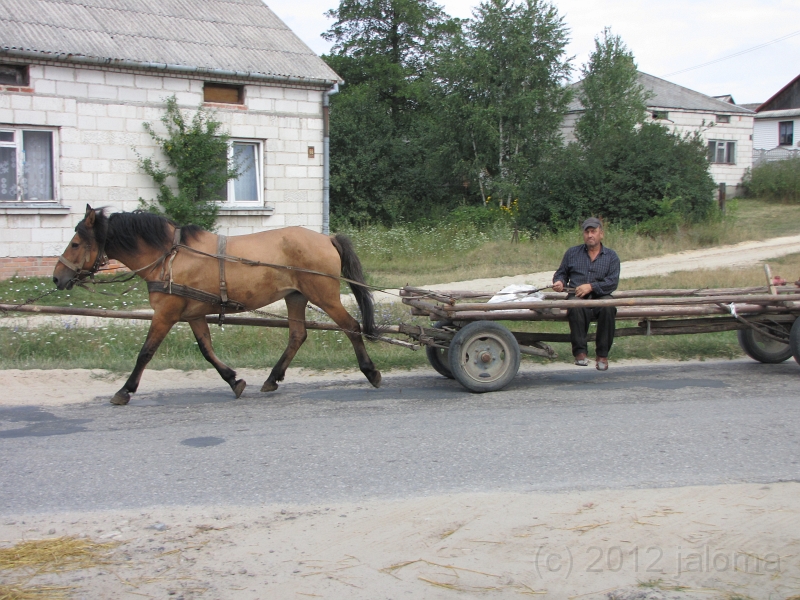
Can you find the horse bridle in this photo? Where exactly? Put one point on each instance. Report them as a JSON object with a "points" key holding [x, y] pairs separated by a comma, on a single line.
{"points": [[99, 261]]}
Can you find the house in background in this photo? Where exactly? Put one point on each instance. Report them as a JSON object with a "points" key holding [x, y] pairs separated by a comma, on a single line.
{"points": [[78, 81], [777, 125], [726, 128]]}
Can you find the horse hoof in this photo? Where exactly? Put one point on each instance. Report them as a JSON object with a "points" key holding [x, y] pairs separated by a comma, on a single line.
{"points": [[269, 386], [121, 398], [375, 378], [238, 387]]}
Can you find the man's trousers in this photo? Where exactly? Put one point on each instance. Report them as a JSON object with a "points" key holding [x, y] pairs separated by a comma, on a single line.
{"points": [[579, 319]]}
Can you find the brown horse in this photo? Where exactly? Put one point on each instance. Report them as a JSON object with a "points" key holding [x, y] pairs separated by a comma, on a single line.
{"points": [[146, 244]]}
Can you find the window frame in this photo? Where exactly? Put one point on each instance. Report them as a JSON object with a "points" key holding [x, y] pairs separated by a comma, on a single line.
{"points": [[784, 135], [18, 145], [723, 119], [728, 148], [230, 199]]}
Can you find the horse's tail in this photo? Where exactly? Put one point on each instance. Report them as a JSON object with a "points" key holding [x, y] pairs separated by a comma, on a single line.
{"points": [[351, 269]]}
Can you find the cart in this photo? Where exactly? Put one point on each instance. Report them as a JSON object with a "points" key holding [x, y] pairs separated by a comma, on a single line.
{"points": [[466, 341]]}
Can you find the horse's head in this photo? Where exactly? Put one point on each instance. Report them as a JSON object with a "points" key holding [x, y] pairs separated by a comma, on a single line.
{"points": [[84, 254]]}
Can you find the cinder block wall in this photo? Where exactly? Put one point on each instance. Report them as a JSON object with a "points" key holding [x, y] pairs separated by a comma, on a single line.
{"points": [[99, 117]]}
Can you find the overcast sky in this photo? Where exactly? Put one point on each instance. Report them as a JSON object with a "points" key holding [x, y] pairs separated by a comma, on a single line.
{"points": [[665, 36]]}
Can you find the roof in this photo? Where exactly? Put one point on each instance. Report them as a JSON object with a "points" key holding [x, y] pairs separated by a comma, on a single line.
{"points": [[242, 38], [778, 114], [779, 93], [665, 94]]}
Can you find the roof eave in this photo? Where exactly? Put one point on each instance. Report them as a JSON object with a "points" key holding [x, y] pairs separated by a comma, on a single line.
{"points": [[170, 68]]}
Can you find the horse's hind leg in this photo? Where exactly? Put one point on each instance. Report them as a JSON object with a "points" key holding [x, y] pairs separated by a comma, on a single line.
{"points": [[158, 331], [352, 330], [296, 307], [203, 337]]}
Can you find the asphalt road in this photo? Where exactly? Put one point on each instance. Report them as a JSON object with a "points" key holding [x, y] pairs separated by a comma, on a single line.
{"points": [[636, 426]]}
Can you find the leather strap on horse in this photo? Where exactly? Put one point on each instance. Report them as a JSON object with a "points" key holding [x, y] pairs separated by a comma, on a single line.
{"points": [[176, 289], [222, 242], [170, 287]]}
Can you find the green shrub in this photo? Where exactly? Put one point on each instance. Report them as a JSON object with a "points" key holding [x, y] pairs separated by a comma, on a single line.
{"points": [[627, 180], [197, 159], [779, 180]]}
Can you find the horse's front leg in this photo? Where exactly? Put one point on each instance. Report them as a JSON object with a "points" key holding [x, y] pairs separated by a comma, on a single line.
{"points": [[203, 337], [158, 331]]}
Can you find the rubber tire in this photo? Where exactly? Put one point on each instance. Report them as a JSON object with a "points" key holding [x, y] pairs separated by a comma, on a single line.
{"points": [[439, 357], [504, 360], [749, 340], [794, 340]]}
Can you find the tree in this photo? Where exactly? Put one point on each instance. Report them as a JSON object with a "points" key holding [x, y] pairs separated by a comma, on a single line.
{"points": [[613, 100], [197, 158], [503, 81], [384, 164]]}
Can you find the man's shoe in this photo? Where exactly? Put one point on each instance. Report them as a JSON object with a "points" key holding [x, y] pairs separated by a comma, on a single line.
{"points": [[602, 363], [581, 360]]}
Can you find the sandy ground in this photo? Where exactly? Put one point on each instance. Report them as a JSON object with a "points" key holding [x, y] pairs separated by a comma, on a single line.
{"points": [[632, 544], [735, 541]]}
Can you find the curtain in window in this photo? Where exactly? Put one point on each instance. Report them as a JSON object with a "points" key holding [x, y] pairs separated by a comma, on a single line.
{"points": [[8, 173], [37, 180], [245, 187]]}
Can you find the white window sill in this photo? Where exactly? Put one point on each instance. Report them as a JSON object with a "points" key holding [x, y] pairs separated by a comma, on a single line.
{"points": [[245, 211], [33, 208]]}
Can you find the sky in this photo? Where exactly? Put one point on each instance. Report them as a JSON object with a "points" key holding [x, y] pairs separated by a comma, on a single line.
{"points": [[665, 36]]}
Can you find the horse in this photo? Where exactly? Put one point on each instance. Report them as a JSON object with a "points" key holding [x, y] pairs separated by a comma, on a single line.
{"points": [[293, 263]]}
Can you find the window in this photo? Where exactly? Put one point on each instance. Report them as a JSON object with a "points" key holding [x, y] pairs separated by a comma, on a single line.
{"points": [[13, 75], [661, 115], [247, 156], [223, 94], [786, 133], [27, 166], [723, 118], [722, 152]]}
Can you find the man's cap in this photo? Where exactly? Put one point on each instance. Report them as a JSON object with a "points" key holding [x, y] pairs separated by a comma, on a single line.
{"points": [[591, 222]]}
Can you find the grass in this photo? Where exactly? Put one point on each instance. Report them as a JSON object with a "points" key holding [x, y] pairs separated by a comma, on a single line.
{"points": [[115, 347], [393, 258], [420, 256]]}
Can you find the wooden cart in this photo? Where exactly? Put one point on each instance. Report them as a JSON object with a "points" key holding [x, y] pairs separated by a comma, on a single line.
{"points": [[467, 343]]}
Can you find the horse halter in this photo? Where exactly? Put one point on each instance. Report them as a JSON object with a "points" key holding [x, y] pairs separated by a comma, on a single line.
{"points": [[99, 261]]}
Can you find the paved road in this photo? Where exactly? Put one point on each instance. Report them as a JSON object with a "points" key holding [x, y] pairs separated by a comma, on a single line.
{"points": [[555, 429]]}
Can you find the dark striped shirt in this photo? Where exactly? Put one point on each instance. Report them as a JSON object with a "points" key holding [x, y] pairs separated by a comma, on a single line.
{"points": [[577, 268]]}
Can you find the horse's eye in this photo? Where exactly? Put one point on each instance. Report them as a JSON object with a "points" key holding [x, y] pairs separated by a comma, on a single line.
{"points": [[75, 244]]}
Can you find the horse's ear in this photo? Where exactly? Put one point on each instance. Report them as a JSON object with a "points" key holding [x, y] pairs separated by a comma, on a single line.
{"points": [[89, 218]]}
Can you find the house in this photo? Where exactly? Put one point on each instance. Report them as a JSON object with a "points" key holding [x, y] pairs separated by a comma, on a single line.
{"points": [[78, 81], [726, 128], [777, 125]]}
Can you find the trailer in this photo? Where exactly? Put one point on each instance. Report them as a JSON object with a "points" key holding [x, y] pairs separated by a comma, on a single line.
{"points": [[467, 341]]}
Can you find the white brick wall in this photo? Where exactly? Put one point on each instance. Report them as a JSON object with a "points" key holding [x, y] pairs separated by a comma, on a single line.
{"points": [[99, 116]]}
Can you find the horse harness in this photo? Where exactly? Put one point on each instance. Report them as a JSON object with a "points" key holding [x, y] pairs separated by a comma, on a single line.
{"points": [[167, 286]]}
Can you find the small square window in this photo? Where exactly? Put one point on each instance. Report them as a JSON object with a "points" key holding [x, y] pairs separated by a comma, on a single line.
{"points": [[659, 115], [723, 118], [223, 94], [13, 75]]}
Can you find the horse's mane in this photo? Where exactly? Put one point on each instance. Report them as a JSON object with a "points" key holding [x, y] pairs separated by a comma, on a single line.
{"points": [[123, 231]]}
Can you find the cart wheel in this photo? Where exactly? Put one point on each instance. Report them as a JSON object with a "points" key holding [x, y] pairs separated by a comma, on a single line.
{"points": [[794, 340], [439, 357], [763, 349], [484, 356]]}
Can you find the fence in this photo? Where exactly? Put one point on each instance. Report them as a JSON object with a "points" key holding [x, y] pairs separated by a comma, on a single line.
{"points": [[765, 156]]}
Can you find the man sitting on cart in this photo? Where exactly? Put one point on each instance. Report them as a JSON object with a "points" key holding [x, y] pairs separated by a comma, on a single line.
{"points": [[589, 271]]}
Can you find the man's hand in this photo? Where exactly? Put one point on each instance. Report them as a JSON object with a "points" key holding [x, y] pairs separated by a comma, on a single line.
{"points": [[558, 286], [582, 290]]}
